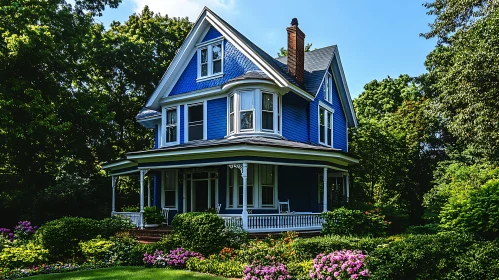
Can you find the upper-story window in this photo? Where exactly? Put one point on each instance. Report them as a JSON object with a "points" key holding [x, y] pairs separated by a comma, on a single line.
{"points": [[254, 110], [210, 59], [169, 133], [196, 122], [325, 126], [328, 88]]}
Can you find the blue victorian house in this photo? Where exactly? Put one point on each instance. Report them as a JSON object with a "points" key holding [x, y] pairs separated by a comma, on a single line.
{"points": [[262, 140]]}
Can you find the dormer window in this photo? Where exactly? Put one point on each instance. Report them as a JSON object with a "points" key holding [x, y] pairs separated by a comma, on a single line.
{"points": [[328, 88], [210, 59], [253, 110]]}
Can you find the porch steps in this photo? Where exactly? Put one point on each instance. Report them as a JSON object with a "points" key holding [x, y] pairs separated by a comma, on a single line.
{"points": [[149, 235]]}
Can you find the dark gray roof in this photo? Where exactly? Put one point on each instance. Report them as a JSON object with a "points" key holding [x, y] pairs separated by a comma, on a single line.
{"points": [[316, 65], [147, 113], [251, 75], [265, 56], [250, 140]]}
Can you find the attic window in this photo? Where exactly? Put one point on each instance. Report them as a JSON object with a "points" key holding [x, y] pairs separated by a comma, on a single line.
{"points": [[328, 88], [210, 59]]}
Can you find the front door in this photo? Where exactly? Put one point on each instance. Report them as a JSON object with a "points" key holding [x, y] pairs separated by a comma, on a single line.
{"points": [[200, 195]]}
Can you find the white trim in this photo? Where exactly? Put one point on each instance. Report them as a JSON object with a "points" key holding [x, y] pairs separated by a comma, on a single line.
{"points": [[125, 172], [256, 82], [209, 42], [210, 93], [342, 73], [327, 121], [163, 180], [186, 123], [114, 164], [205, 119], [162, 131], [248, 148], [204, 103], [210, 77]]}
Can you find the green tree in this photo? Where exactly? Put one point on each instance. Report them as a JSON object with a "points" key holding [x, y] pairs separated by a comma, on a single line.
{"points": [[284, 52]]}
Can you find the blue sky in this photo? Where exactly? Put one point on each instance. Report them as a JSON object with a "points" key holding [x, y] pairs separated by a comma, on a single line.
{"points": [[375, 38]]}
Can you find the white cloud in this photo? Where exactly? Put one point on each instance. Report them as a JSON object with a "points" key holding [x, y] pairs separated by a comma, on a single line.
{"points": [[182, 8]]}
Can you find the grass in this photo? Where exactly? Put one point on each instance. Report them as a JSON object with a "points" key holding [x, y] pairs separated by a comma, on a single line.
{"points": [[127, 272]]}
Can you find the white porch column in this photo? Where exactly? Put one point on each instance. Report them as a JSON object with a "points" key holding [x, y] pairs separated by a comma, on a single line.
{"points": [[347, 182], [245, 195], [143, 172], [113, 201], [324, 209], [149, 181]]}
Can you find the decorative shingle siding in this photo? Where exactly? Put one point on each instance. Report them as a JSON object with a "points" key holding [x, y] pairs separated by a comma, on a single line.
{"points": [[235, 64], [212, 34], [181, 123], [217, 118], [295, 118]]}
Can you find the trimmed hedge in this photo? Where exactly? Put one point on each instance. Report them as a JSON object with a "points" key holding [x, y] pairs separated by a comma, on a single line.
{"points": [[308, 248], [200, 232]]}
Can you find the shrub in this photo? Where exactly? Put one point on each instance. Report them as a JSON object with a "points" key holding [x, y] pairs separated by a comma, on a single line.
{"points": [[235, 236], [167, 243], [268, 251], [62, 236], [23, 255], [115, 224], [354, 222], [128, 250], [256, 270], [344, 264], [200, 232], [418, 256], [308, 248], [152, 215], [98, 250], [479, 213], [300, 270], [226, 268], [130, 208], [156, 259], [179, 257], [425, 229], [481, 261]]}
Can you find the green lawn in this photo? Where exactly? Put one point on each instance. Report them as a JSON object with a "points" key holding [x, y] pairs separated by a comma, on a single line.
{"points": [[127, 272]]}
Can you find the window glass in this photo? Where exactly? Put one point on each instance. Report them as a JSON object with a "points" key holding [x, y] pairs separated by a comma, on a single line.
{"points": [[171, 125], [267, 111], [322, 136], [267, 181], [326, 88], [170, 189], [217, 58], [329, 128], [196, 122], [231, 187], [204, 62], [247, 107], [231, 114]]}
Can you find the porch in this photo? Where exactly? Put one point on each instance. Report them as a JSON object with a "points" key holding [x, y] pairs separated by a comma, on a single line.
{"points": [[243, 189]]}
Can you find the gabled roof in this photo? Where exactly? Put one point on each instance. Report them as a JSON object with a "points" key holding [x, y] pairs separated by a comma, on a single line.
{"points": [[316, 64]]}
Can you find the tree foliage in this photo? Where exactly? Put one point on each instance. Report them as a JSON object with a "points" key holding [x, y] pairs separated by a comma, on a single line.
{"points": [[69, 92], [284, 52]]}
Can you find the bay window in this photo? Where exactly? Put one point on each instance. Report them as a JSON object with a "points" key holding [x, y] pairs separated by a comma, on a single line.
{"points": [[254, 110], [325, 126], [261, 187], [210, 59]]}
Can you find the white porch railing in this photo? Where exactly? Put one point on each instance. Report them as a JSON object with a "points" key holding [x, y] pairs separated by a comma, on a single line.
{"points": [[277, 222], [133, 216]]}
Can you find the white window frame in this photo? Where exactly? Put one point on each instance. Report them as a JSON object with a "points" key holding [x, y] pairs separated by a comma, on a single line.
{"points": [[328, 88], [257, 189], [257, 112], [205, 120], [162, 136], [208, 45], [163, 175], [327, 122]]}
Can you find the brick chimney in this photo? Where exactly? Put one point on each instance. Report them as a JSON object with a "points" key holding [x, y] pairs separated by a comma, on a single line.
{"points": [[296, 51]]}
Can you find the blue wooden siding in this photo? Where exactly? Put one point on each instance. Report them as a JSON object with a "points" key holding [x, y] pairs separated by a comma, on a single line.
{"points": [[217, 118], [339, 120], [235, 64], [212, 34], [295, 118]]}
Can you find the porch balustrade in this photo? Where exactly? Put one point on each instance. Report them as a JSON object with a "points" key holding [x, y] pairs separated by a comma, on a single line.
{"points": [[135, 217], [277, 222]]}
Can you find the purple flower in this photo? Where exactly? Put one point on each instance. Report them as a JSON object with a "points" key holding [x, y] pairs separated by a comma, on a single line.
{"points": [[343, 264]]}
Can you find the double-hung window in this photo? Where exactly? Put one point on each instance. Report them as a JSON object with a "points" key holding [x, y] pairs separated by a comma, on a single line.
{"points": [[325, 126], [254, 110], [170, 189], [171, 125], [210, 59], [249, 188], [267, 182], [261, 187], [195, 122]]}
